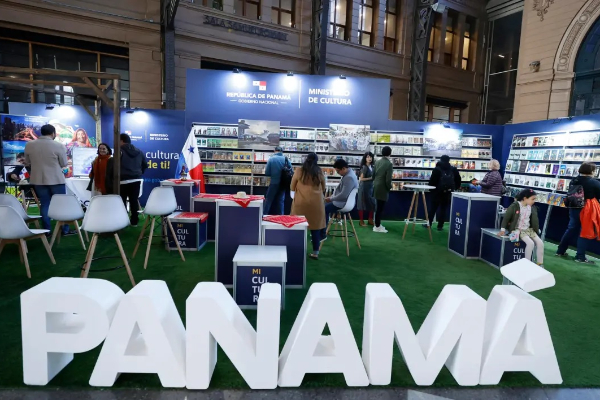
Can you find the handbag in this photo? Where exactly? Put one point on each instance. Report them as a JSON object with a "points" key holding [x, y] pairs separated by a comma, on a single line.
{"points": [[514, 236]]}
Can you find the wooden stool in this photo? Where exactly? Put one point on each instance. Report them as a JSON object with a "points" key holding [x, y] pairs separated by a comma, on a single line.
{"points": [[414, 204]]}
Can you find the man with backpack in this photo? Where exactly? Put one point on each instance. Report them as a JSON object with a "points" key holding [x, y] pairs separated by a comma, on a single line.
{"points": [[583, 189], [279, 168], [446, 179]]}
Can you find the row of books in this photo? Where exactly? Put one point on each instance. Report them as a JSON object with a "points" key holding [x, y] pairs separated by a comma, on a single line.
{"points": [[571, 139], [400, 150], [226, 155], [236, 168], [474, 153], [553, 199], [468, 176], [303, 146], [217, 143], [555, 155], [544, 168], [396, 138], [476, 142], [215, 130], [411, 174], [558, 184]]}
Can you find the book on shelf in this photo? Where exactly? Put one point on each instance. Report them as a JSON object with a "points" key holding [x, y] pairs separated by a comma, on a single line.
{"points": [[555, 169], [523, 166], [562, 169], [554, 155]]}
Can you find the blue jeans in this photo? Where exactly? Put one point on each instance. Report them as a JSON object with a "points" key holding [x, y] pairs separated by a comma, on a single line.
{"points": [[573, 231], [315, 238], [45, 193], [274, 200], [330, 208]]}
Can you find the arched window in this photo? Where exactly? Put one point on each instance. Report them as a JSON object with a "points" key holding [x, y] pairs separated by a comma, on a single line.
{"points": [[586, 86]]}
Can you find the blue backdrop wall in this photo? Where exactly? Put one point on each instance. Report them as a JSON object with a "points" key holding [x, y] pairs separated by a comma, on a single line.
{"points": [[160, 134]]}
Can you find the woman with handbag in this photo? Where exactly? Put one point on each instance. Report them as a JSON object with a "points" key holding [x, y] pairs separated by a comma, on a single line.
{"points": [[98, 175]]}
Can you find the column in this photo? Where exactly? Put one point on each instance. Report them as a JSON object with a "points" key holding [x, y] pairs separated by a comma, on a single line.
{"points": [[229, 6], [353, 20], [459, 42], [265, 10], [379, 25], [438, 48]]}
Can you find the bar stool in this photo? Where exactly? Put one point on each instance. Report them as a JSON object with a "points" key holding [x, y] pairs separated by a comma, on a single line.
{"points": [[345, 213], [161, 203], [65, 209], [105, 215]]}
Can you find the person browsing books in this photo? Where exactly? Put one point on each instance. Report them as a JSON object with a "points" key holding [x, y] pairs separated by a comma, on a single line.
{"points": [[590, 187], [446, 179], [382, 184], [492, 181], [275, 198]]}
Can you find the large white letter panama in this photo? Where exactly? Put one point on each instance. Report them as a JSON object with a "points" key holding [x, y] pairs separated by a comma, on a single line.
{"points": [[478, 341]]}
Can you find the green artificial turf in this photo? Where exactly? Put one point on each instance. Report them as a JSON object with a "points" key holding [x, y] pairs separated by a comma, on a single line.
{"points": [[415, 268]]}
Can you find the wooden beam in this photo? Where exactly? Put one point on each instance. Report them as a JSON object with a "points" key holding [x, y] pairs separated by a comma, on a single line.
{"points": [[94, 116], [107, 87], [42, 82], [100, 93], [46, 90], [117, 137], [59, 72]]}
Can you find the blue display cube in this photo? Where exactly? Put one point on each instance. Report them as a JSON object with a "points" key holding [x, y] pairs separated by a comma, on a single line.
{"points": [[469, 213], [183, 194], [191, 231], [499, 250], [294, 240]]}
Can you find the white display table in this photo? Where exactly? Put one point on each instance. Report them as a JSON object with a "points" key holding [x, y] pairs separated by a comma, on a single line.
{"points": [[469, 213], [294, 240], [414, 204], [254, 266]]}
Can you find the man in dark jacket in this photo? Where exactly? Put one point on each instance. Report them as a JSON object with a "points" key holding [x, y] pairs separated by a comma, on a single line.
{"points": [[133, 165], [446, 179]]}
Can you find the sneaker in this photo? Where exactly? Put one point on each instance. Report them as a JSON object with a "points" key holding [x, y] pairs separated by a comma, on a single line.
{"points": [[425, 226], [380, 229], [323, 238], [440, 229], [69, 233], [584, 261], [565, 255]]}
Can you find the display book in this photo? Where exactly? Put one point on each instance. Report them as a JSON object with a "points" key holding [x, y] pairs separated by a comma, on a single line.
{"points": [[226, 164], [412, 167], [546, 162]]}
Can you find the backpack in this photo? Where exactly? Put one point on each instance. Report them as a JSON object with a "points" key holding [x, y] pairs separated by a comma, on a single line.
{"points": [[446, 180], [575, 196], [287, 172]]}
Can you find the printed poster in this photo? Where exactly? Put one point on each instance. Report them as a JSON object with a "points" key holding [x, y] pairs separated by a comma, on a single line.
{"points": [[349, 138]]}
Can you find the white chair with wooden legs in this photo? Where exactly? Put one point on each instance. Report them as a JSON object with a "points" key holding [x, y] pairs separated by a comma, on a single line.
{"points": [[345, 214], [66, 209], [161, 203], [14, 230], [105, 215], [11, 201]]}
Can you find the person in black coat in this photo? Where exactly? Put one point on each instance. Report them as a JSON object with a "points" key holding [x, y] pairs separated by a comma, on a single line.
{"points": [[446, 179]]}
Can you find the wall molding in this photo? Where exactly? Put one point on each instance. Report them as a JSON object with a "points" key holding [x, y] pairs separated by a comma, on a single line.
{"points": [[571, 41]]}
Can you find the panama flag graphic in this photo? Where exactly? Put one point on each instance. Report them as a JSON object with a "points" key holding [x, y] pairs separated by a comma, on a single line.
{"points": [[190, 157], [262, 85]]}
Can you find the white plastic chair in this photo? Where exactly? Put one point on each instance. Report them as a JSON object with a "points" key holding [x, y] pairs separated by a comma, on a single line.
{"points": [[13, 229], [106, 214], [65, 209], [345, 213], [161, 203], [12, 201]]}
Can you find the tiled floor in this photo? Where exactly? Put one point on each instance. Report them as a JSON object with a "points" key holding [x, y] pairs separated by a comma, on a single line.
{"points": [[329, 394]]}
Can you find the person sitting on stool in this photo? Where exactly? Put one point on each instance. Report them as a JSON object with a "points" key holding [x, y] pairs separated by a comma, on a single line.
{"points": [[348, 183]]}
